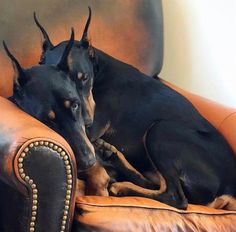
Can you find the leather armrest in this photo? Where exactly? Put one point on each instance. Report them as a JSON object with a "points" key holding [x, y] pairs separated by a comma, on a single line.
{"points": [[38, 163]]}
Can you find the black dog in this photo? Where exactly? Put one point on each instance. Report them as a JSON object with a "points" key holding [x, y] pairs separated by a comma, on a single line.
{"points": [[47, 93], [155, 127]]}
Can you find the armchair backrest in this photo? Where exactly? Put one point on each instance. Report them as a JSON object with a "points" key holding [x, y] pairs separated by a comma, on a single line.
{"points": [[131, 31]]}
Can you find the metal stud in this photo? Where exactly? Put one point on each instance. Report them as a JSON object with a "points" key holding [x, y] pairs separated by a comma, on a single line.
{"points": [[35, 191], [36, 143], [31, 145], [33, 214], [63, 153], [20, 165], [63, 222], [31, 181], [23, 154], [32, 224], [23, 175], [50, 144]]}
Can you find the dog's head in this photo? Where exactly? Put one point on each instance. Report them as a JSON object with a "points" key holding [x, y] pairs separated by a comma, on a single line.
{"points": [[81, 65], [47, 93]]}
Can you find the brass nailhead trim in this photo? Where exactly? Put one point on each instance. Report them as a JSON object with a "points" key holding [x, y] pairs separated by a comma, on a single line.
{"points": [[33, 186]]}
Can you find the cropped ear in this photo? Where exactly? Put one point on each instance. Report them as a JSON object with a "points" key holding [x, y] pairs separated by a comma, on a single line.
{"points": [[19, 74], [47, 44], [64, 62], [85, 40]]}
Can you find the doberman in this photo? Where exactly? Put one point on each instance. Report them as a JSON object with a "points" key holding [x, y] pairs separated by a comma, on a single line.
{"points": [[47, 93], [155, 127]]}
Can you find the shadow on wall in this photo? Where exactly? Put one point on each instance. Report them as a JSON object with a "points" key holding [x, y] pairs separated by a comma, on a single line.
{"points": [[126, 29]]}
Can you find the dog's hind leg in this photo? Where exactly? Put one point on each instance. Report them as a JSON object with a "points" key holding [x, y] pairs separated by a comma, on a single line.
{"points": [[123, 167], [225, 202]]}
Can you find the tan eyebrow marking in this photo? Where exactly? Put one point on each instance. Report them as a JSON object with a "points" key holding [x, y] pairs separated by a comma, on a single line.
{"points": [[79, 75], [67, 104], [51, 114]]}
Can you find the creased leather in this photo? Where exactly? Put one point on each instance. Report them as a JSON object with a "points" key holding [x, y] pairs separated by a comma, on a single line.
{"points": [[145, 215]]}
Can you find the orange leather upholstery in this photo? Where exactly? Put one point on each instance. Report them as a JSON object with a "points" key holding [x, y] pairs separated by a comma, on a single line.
{"points": [[144, 215], [108, 214]]}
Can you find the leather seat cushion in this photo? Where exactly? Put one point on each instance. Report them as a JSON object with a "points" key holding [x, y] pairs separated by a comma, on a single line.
{"points": [[140, 214]]}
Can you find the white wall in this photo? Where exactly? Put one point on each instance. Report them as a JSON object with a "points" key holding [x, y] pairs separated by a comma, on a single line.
{"points": [[200, 47]]}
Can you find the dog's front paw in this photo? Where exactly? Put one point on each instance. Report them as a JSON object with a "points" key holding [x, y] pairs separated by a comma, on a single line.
{"points": [[106, 148]]}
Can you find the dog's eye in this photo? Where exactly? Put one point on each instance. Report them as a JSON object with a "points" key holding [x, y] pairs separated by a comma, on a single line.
{"points": [[74, 106], [85, 77]]}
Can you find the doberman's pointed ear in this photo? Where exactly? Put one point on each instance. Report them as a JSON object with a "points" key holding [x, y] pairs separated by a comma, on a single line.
{"points": [[19, 74], [85, 40], [47, 44], [64, 62]]}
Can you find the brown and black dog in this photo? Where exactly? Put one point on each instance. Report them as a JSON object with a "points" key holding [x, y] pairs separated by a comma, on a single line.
{"points": [[156, 128]]}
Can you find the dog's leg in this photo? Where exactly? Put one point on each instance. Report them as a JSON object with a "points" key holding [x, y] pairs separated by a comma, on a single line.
{"points": [[121, 165], [225, 202], [164, 153]]}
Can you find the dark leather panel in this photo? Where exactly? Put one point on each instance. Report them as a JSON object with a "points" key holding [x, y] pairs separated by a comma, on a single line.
{"points": [[48, 171], [14, 210]]}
